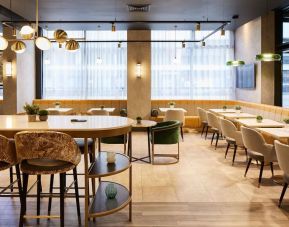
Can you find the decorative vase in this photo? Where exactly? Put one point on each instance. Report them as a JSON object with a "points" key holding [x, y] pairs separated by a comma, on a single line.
{"points": [[43, 118], [172, 106], [259, 121], [32, 118], [110, 158], [110, 191]]}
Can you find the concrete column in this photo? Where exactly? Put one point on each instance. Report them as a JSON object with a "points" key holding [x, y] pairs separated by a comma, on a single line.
{"points": [[139, 89]]}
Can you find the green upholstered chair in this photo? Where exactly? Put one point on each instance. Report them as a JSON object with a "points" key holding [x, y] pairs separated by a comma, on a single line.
{"points": [[121, 139], [166, 132]]}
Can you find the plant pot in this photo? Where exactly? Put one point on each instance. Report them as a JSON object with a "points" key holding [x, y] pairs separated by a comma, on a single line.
{"points": [[259, 121], [110, 191], [138, 121], [238, 111], [57, 106], [43, 118], [172, 106], [110, 158], [32, 118]]}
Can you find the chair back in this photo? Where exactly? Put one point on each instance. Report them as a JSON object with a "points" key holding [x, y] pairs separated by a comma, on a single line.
{"points": [[166, 132], [228, 128], [7, 153], [202, 114], [175, 115], [53, 112], [46, 145], [282, 151], [99, 112], [253, 140], [213, 120]]}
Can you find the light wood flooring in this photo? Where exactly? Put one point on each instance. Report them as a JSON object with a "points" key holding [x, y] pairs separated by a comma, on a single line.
{"points": [[203, 189]]}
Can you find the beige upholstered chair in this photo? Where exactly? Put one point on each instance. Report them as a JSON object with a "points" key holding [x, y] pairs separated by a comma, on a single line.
{"points": [[214, 124], [282, 152], [53, 112], [50, 153], [98, 112], [176, 115], [232, 135], [258, 150], [203, 116]]}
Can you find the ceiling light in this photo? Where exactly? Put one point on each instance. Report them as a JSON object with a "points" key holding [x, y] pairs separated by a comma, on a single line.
{"points": [[43, 43], [113, 29], [18, 47], [198, 27], [60, 36], [203, 43], [119, 45], [183, 44], [268, 57], [3, 43], [14, 32], [223, 32], [72, 45], [235, 63], [27, 32], [98, 61]]}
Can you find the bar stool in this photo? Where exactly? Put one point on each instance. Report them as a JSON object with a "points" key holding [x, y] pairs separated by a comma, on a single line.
{"points": [[47, 153]]}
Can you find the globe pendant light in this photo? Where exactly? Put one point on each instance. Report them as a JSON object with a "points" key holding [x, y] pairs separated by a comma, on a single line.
{"points": [[3, 43], [43, 43], [235, 63], [18, 47], [27, 32], [60, 36], [72, 45], [268, 57]]}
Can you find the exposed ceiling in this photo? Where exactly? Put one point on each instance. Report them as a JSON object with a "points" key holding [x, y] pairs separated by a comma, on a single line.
{"points": [[109, 10]]}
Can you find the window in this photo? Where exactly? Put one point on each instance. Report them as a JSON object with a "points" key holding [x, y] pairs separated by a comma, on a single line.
{"points": [[193, 72], [95, 71]]}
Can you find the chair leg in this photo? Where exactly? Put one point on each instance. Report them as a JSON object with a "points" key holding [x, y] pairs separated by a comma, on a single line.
{"points": [[283, 193], [246, 152], [38, 196], [11, 178], [23, 199], [203, 129], [62, 191], [235, 151], [228, 147], [50, 191], [207, 129], [272, 168], [182, 133], [212, 138], [260, 175], [76, 194], [217, 139], [248, 165], [18, 180]]}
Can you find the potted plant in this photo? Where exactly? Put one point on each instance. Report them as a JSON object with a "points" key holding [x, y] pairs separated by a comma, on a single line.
{"points": [[43, 115], [259, 119], [32, 111], [238, 109], [102, 107], [57, 105], [172, 104], [224, 108], [138, 120], [286, 120]]}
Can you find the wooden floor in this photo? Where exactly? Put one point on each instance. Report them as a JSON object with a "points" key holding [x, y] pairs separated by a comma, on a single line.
{"points": [[203, 189]]}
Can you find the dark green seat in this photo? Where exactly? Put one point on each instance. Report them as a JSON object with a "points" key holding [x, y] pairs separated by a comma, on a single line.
{"points": [[166, 132], [121, 139]]}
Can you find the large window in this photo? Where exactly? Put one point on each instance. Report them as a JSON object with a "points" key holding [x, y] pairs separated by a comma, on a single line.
{"points": [[95, 71], [193, 72]]}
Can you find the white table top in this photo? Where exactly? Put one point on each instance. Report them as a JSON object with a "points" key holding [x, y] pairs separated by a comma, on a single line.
{"points": [[144, 124], [266, 123], [166, 109], [237, 115], [223, 111], [279, 133], [107, 109], [61, 110], [14, 123]]}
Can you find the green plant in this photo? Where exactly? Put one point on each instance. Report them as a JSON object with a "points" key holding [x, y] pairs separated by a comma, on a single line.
{"points": [[238, 108], [259, 118], [172, 103], [43, 113], [57, 103], [286, 120], [123, 112], [224, 107], [102, 107], [31, 109], [138, 118]]}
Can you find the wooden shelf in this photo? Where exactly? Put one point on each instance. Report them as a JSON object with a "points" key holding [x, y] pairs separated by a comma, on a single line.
{"points": [[100, 168], [101, 206]]}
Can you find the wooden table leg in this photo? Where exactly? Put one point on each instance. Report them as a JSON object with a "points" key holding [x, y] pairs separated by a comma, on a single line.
{"points": [[86, 182], [130, 177]]}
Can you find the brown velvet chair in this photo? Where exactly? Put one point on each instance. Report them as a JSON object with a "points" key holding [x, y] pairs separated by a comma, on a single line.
{"points": [[49, 153]]}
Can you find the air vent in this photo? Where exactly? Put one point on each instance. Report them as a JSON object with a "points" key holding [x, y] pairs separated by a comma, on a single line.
{"points": [[143, 8]]}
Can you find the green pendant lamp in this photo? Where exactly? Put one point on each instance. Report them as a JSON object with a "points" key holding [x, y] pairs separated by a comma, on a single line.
{"points": [[268, 57], [235, 63]]}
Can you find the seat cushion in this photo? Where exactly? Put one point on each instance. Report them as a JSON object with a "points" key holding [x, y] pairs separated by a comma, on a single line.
{"points": [[4, 165], [45, 166], [256, 156], [80, 143]]}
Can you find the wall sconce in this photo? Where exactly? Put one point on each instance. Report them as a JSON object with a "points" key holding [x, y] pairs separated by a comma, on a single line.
{"points": [[8, 68], [138, 70]]}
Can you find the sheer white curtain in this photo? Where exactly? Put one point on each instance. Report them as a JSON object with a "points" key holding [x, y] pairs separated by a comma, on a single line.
{"points": [[198, 72], [95, 71]]}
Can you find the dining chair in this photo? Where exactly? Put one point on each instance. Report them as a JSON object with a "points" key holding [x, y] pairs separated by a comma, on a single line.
{"points": [[53, 112], [98, 112], [282, 152], [47, 153], [203, 117], [176, 115], [258, 150], [165, 133], [233, 137], [215, 126]]}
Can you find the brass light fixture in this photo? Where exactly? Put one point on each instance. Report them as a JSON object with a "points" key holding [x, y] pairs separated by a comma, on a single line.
{"points": [[235, 63], [19, 47], [3, 43], [27, 32], [268, 57], [203, 43], [72, 45], [119, 45], [113, 28], [198, 27], [183, 44], [60, 36], [43, 43], [223, 32]]}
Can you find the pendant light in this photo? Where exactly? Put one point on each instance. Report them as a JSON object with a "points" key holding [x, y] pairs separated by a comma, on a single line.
{"points": [[72, 45], [113, 29], [183, 44], [3, 43], [98, 59], [43, 43], [175, 57], [203, 43], [119, 45], [27, 32], [60, 36], [198, 27], [19, 47]]}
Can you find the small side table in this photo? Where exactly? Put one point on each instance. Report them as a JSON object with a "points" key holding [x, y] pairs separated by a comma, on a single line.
{"points": [[145, 124]]}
